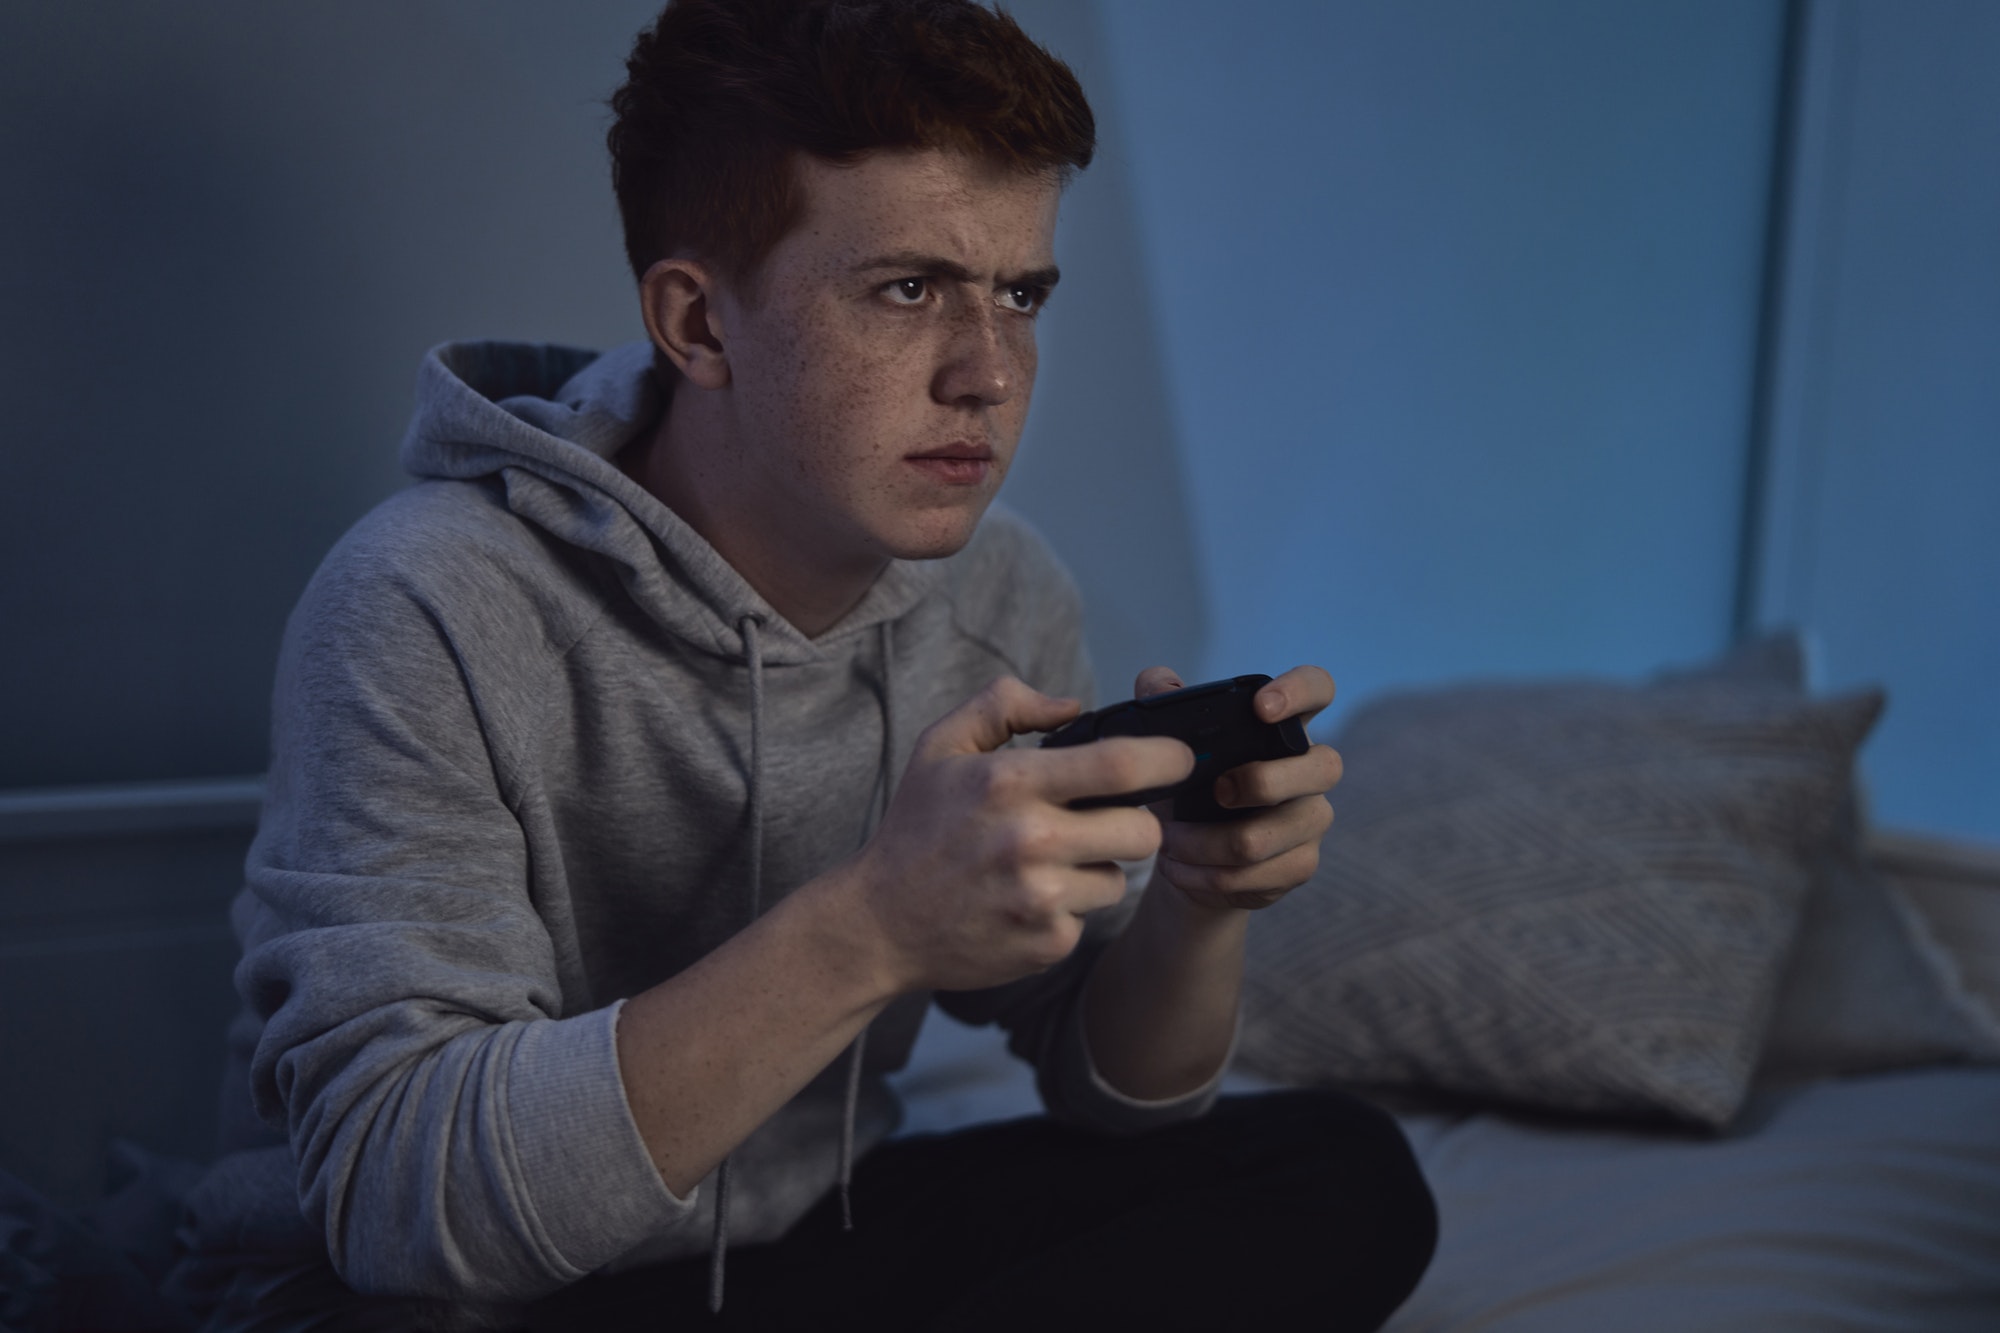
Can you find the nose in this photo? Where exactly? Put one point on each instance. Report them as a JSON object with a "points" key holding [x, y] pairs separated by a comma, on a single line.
{"points": [[979, 368]]}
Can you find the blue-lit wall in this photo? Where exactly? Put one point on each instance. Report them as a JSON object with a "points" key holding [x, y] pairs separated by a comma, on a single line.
{"points": [[1882, 516], [1459, 307]]}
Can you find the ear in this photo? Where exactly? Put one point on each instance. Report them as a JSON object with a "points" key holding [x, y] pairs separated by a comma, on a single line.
{"points": [[677, 299]]}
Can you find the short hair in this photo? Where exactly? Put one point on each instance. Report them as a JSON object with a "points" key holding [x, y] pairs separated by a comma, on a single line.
{"points": [[721, 94]]}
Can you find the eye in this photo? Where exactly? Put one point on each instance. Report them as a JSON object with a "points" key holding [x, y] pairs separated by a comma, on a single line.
{"points": [[1024, 298], [908, 291]]}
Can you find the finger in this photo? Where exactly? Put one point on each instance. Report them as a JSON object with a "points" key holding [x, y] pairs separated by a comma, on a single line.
{"points": [[1109, 767], [1273, 781], [1260, 837], [1056, 895], [1300, 692], [1110, 833], [1156, 680], [1094, 887], [990, 718], [1248, 887]]}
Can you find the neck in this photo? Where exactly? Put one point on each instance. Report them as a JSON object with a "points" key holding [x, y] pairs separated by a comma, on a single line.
{"points": [[689, 465]]}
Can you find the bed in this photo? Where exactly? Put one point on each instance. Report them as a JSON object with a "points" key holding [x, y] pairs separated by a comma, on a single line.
{"points": [[1680, 1043]]}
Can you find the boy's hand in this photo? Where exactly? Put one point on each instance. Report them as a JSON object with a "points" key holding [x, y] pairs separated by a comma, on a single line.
{"points": [[980, 872], [1254, 860]]}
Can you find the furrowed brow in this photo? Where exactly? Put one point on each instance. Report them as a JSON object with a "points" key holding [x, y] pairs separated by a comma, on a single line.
{"points": [[936, 266], [917, 263]]}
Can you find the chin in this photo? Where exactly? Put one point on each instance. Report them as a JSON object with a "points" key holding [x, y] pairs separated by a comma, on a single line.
{"points": [[938, 534]]}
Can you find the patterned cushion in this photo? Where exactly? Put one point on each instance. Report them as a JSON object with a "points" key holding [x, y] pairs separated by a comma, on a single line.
{"points": [[1567, 895]]}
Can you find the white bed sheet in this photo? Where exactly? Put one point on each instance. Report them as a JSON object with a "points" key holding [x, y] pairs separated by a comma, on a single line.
{"points": [[1854, 1204]]}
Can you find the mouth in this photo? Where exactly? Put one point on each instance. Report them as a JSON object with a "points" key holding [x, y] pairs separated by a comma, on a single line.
{"points": [[961, 463]]}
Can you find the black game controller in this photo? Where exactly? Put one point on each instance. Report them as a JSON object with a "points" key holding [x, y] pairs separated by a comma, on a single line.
{"points": [[1215, 720]]}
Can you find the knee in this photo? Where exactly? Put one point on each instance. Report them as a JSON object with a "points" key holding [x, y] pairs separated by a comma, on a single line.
{"points": [[1352, 1186]]}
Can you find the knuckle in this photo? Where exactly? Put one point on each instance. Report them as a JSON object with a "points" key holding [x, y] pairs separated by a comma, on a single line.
{"points": [[1003, 779], [1040, 840], [1041, 896], [1057, 942], [1024, 844], [1247, 843]]}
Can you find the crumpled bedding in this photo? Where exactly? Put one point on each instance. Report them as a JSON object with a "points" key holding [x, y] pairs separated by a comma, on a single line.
{"points": [[99, 1269], [1858, 1203]]}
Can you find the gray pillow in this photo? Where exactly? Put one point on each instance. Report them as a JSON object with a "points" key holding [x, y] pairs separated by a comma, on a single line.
{"points": [[1867, 988], [1573, 895]]}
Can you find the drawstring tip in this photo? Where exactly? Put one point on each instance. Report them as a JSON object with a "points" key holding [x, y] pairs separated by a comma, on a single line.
{"points": [[855, 1054], [718, 1253]]}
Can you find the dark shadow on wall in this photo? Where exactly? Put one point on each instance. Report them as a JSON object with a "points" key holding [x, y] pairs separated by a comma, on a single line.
{"points": [[229, 234]]}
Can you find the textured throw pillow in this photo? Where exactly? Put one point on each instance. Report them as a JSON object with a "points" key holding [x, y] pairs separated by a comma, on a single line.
{"points": [[1570, 895]]}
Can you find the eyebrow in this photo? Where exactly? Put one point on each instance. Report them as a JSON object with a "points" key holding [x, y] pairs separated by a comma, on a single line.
{"points": [[936, 266]]}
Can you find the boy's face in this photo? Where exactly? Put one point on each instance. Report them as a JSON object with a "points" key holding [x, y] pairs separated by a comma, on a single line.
{"points": [[881, 362]]}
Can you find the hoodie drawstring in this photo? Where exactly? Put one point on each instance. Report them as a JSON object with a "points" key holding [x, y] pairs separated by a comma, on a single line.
{"points": [[858, 1052], [753, 653]]}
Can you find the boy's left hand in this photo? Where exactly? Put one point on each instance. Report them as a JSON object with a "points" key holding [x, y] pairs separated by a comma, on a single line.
{"points": [[1257, 858]]}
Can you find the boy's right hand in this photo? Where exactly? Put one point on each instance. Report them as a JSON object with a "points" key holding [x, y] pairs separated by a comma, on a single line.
{"points": [[980, 873]]}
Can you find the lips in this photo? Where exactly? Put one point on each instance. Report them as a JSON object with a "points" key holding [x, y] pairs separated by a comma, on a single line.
{"points": [[958, 464]]}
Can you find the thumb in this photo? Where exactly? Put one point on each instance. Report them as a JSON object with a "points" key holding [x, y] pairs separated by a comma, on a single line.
{"points": [[992, 717], [1156, 680]]}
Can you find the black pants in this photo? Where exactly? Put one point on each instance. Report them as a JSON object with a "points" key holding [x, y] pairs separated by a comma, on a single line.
{"points": [[1291, 1210]]}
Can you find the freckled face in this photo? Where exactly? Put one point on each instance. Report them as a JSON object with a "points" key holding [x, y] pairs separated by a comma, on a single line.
{"points": [[880, 372]]}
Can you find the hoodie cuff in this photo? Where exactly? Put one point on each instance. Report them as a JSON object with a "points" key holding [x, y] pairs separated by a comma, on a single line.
{"points": [[591, 1189], [1084, 1096]]}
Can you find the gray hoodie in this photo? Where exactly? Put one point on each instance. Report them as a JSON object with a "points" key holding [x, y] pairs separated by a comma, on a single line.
{"points": [[512, 784]]}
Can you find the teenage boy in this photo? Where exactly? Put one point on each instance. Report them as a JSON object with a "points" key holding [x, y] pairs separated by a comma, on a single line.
{"points": [[652, 755]]}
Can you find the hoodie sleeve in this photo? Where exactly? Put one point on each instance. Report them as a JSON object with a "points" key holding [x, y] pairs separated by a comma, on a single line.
{"points": [[1039, 629], [457, 1133]]}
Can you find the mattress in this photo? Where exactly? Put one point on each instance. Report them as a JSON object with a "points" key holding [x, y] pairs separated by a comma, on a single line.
{"points": [[1859, 1203]]}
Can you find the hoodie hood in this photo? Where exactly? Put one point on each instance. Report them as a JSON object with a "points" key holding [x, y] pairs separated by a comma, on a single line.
{"points": [[548, 422]]}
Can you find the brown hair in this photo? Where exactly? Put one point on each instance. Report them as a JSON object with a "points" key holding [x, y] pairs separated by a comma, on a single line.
{"points": [[720, 94]]}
